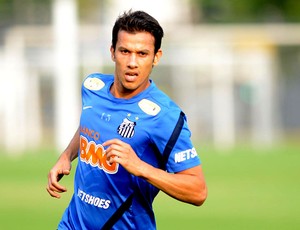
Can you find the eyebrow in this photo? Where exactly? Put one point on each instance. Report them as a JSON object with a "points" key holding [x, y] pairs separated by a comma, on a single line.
{"points": [[142, 50]]}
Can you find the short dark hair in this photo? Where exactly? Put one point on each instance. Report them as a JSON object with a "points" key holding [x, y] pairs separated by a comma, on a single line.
{"points": [[138, 21]]}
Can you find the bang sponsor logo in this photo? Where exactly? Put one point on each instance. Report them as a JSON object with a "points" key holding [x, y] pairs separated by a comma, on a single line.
{"points": [[95, 155]]}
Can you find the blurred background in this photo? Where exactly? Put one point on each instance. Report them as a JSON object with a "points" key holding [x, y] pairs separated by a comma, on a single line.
{"points": [[233, 67]]}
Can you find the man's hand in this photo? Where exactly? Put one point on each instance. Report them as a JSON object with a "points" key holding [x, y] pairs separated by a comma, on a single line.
{"points": [[122, 153], [61, 168], [188, 185]]}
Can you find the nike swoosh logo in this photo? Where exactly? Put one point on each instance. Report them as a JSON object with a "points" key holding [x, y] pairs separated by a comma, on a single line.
{"points": [[87, 107]]}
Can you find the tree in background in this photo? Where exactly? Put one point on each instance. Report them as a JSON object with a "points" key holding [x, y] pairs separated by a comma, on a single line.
{"points": [[22, 12], [37, 12], [251, 11]]}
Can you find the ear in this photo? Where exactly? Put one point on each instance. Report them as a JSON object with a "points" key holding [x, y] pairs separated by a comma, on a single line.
{"points": [[112, 53], [157, 57]]}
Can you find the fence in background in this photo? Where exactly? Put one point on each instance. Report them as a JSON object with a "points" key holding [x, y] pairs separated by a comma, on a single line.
{"points": [[228, 79]]}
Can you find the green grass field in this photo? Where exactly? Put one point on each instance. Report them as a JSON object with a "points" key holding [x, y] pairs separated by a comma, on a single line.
{"points": [[248, 189]]}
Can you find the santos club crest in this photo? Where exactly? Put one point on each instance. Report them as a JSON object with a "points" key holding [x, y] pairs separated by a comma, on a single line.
{"points": [[126, 129]]}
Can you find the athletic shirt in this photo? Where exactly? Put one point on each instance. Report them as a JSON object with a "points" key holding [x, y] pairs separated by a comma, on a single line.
{"points": [[146, 122]]}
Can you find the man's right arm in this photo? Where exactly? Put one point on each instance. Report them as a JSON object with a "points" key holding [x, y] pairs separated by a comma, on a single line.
{"points": [[62, 167]]}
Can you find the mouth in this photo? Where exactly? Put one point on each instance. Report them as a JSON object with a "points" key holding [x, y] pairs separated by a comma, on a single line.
{"points": [[131, 76]]}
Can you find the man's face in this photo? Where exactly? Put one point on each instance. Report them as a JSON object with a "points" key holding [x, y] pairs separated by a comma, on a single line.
{"points": [[134, 59]]}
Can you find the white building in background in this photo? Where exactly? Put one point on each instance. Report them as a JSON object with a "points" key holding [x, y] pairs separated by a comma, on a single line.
{"points": [[203, 69], [167, 12], [19, 98], [66, 67]]}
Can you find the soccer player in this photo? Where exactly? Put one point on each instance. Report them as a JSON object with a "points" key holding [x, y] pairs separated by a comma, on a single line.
{"points": [[132, 140]]}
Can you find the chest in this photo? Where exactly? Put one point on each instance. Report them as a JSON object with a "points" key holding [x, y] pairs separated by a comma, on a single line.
{"points": [[102, 120]]}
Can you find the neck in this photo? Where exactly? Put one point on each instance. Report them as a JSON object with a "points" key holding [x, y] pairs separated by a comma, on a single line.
{"points": [[124, 94]]}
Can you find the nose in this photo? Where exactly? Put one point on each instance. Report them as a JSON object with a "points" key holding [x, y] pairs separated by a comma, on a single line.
{"points": [[132, 62]]}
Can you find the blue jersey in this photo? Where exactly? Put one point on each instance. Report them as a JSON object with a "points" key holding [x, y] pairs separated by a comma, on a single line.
{"points": [[146, 122]]}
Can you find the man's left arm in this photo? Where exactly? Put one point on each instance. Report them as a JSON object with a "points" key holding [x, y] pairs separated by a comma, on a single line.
{"points": [[188, 185]]}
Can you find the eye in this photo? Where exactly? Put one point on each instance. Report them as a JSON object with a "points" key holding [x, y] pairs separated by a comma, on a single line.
{"points": [[142, 54], [124, 51]]}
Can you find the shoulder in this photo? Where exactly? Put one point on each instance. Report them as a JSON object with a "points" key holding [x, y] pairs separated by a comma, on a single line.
{"points": [[165, 104], [163, 110], [97, 81]]}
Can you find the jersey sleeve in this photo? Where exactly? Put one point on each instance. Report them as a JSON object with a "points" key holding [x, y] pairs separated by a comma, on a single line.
{"points": [[183, 155]]}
